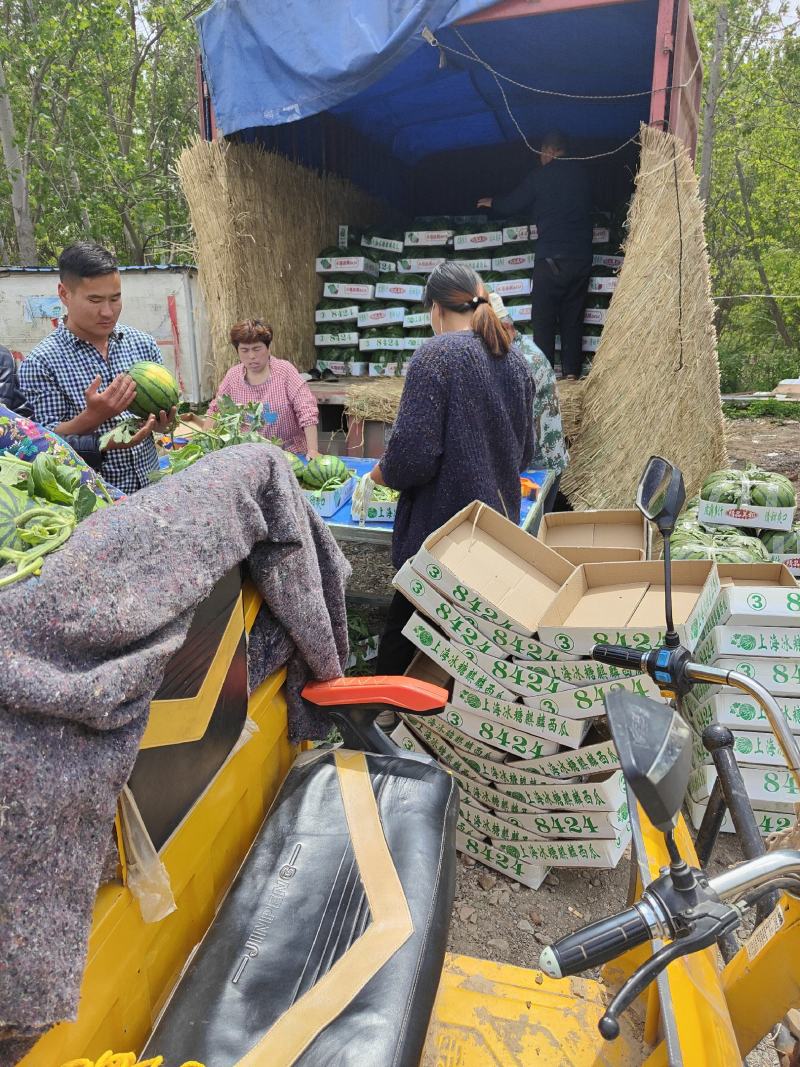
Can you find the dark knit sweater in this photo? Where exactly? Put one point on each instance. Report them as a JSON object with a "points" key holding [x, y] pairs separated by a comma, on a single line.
{"points": [[464, 432]]}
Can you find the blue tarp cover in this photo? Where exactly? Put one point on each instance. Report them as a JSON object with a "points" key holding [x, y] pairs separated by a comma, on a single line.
{"points": [[270, 63]]}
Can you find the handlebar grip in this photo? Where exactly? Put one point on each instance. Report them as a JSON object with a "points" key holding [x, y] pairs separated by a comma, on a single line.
{"points": [[595, 944], [629, 659]]}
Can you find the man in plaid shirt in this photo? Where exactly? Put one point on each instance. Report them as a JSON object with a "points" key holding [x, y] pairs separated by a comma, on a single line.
{"points": [[75, 380]]}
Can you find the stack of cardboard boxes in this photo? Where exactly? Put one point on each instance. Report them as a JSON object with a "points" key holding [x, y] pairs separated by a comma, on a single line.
{"points": [[507, 623], [754, 629]]}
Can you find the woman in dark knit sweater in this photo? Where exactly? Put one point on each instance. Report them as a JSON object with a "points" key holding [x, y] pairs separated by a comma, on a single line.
{"points": [[464, 430]]}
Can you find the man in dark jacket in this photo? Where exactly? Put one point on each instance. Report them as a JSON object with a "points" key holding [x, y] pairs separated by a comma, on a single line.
{"points": [[558, 196]]}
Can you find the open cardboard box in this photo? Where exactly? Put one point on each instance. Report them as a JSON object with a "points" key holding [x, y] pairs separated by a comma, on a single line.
{"points": [[623, 603], [618, 530], [755, 594], [492, 569]]}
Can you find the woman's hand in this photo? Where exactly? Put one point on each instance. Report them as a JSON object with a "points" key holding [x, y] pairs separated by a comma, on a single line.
{"points": [[376, 474], [312, 453]]}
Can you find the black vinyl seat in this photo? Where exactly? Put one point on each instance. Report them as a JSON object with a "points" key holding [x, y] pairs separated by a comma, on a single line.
{"points": [[321, 954]]}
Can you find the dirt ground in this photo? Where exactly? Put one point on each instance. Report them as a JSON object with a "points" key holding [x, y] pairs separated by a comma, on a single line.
{"points": [[496, 918]]}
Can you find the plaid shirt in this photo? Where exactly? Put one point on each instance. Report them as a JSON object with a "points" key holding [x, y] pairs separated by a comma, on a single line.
{"points": [[56, 374], [284, 393]]}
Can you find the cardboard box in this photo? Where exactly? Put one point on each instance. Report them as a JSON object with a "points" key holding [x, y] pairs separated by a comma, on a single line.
{"points": [[521, 262], [382, 370], [770, 820], [346, 265], [750, 748], [381, 317], [427, 238], [583, 852], [346, 291], [593, 759], [527, 874], [515, 234], [336, 366], [545, 826], [490, 717], [595, 529], [484, 562], [358, 369], [478, 264], [758, 595], [615, 262], [779, 676], [791, 562], [572, 672], [738, 710], [329, 502], [512, 287], [413, 343], [487, 763], [405, 739], [589, 702], [503, 731], [418, 321], [515, 645], [595, 316], [452, 658], [623, 603], [603, 285], [382, 244], [600, 235], [455, 623], [773, 642], [411, 294], [749, 515], [464, 241], [762, 784], [603, 794], [419, 266], [378, 511], [520, 312], [337, 340], [382, 344], [347, 313], [579, 556]]}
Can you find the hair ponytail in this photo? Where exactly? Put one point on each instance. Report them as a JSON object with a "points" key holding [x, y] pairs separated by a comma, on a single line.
{"points": [[457, 287]]}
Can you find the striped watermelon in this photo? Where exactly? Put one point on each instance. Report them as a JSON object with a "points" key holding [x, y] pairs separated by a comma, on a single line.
{"points": [[295, 463], [156, 389], [321, 470]]}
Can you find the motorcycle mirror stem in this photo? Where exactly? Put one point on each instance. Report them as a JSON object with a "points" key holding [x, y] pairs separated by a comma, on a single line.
{"points": [[660, 498]]}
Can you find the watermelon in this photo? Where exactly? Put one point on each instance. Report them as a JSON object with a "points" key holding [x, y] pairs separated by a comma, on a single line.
{"points": [[295, 463], [324, 469], [156, 389]]}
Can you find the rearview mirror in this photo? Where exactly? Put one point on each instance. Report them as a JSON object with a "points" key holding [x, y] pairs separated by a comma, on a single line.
{"points": [[655, 753], [661, 493]]}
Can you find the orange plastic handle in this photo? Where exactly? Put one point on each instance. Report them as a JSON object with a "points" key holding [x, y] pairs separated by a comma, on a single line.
{"points": [[410, 694]]}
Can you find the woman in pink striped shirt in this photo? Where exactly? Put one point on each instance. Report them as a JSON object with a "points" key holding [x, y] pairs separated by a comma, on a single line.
{"points": [[261, 378]]}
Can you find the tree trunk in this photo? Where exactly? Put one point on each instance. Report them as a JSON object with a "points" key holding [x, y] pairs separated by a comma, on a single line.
{"points": [[23, 223], [772, 303], [710, 106]]}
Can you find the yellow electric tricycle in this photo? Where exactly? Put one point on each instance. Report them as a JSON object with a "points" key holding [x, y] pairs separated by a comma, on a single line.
{"points": [[327, 948]]}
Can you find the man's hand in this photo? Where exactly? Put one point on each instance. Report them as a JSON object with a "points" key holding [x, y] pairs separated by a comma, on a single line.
{"points": [[166, 420], [137, 438], [485, 201], [112, 401]]}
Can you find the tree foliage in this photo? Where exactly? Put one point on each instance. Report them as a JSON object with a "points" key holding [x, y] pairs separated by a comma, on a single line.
{"points": [[753, 208], [102, 94]]}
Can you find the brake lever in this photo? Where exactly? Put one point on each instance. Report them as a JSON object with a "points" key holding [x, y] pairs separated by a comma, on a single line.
{"points": [[714, 920]]}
